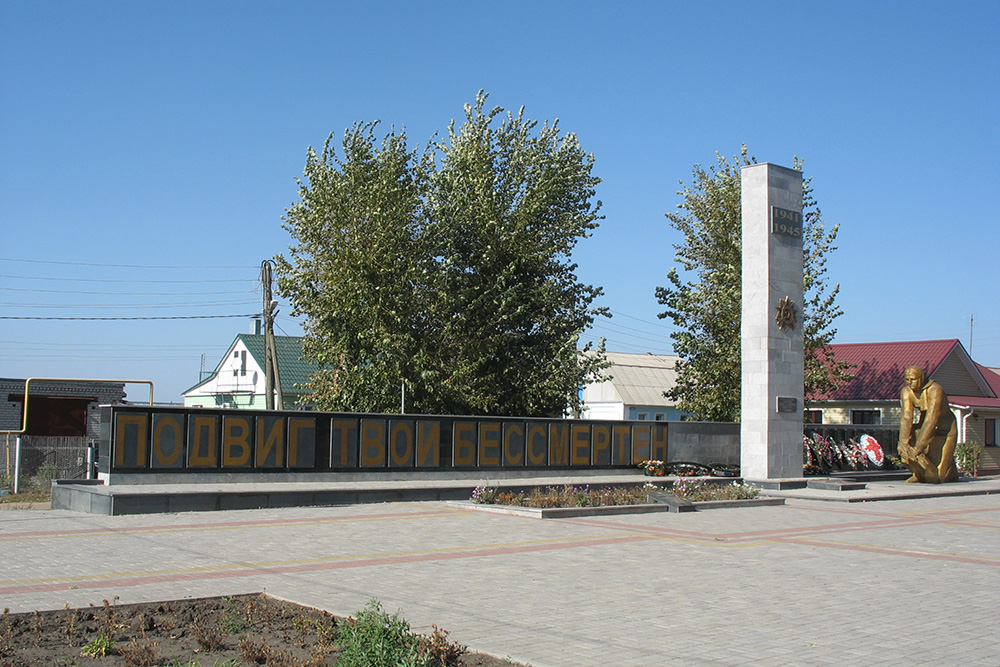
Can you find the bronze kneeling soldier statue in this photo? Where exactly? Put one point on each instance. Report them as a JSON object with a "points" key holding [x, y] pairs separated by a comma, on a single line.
{"points": [[927, 451]]}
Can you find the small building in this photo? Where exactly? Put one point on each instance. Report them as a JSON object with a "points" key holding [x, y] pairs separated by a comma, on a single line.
{"points": [[633, 388], [64, 416], [239, 381], [872, 397], [57, 408]]}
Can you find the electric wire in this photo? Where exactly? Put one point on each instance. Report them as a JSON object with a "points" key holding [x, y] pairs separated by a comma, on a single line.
{"points": [[58, 291], [122, 266], [182, 304], [115, 280], [110, 319]]}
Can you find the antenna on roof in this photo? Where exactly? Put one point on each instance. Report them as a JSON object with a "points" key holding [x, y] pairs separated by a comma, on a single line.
{"points": [[970, 334]]}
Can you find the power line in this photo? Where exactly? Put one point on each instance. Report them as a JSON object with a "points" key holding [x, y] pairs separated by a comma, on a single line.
{"points": [[104, 319], [126, 282], [59, 291], [613, 345], [92, 358], [637, 319], [120, 266], [182, 304], [623, 331], [31, 345]]}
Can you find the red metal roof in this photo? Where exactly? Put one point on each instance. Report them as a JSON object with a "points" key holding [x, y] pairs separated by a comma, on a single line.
{"points": [[993, 380], [878, 367]]}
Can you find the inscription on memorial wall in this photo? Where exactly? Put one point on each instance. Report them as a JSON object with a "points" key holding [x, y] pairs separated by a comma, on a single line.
{"points": [[138, 438]]}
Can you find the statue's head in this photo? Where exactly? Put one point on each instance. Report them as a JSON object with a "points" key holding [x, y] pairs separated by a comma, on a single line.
{"points": [[915, 377]]}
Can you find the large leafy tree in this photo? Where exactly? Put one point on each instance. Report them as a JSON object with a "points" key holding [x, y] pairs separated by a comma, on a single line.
{"points": [[704, 299], [509, 201], [448, 270], [357, 270]]}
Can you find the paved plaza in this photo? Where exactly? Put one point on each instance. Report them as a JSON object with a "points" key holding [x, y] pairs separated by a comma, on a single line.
{"points": [[901, 582]]}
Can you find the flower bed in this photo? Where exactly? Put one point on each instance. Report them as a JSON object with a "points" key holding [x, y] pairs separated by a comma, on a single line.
{"points": [[565, 496], [654, 468], [695, 490], [699, 490]]}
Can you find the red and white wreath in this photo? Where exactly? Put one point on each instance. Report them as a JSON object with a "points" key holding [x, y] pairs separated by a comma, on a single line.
{"points": [[873, 450]]}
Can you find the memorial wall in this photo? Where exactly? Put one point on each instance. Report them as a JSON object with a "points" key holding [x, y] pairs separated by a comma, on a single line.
{"points": [[179, 440]]}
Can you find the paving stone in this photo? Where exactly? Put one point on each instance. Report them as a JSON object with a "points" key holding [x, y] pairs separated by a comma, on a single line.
{"points": [[805, 583]]}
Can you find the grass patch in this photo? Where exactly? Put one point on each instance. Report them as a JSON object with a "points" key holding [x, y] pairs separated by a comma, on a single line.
{"points": [[27, 497]]}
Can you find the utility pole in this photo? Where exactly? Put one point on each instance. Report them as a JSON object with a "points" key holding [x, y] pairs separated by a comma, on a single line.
{"points": [[272, 384], [970, 333]]}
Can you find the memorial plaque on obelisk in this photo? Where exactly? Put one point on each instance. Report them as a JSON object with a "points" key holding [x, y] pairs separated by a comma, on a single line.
{"points": [[772, 355]]}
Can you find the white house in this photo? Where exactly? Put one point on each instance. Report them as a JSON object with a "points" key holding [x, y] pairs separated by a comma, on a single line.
{"points": [[633, 389], [239, 381]]}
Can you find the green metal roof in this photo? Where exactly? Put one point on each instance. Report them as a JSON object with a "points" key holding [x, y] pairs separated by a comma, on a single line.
{"points": [[293, 370]]}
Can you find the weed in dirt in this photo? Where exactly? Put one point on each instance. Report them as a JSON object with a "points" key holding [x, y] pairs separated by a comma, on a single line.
{"points": [[209, 639], [253, 651], [264, 608], [441, 651], [257, 651], [326, 630], [139, 653], [234, 621], [98, 647], [167, 620], [302, 626], [318, 658], [36, 628], [110, 619], [6, 633], [71, 621]]}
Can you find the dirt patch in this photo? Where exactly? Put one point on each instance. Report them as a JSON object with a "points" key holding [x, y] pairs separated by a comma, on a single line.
{"points": [[206, 632]]}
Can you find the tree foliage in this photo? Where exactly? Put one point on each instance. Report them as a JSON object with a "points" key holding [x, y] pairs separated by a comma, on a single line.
{"points": [[447, 269], [704, 299], [357, 270]]}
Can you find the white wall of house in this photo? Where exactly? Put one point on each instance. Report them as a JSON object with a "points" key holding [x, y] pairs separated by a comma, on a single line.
{"points": [[238, 377], [610, 411], [634, 389]]}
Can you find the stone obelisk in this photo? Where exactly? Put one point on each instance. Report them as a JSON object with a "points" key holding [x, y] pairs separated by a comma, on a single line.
{"points": [[771, 328]]}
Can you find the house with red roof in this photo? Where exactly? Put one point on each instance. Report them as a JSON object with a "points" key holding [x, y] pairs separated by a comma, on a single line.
{"points": [[872, 397]]}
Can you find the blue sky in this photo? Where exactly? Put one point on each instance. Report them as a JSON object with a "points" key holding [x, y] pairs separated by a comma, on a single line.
{"points": [[148, 151]]}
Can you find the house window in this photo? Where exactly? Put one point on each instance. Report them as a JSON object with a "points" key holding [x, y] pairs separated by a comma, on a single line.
{"points": [[991, 432], [243, 362], [812, 416], [866, 416], [659, 416], [642, 416]]}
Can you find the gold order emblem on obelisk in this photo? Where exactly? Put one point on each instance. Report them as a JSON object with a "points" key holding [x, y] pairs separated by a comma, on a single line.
{"points": [[785, 317]]}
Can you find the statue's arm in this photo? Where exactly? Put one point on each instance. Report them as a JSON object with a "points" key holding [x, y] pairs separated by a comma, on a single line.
{"points": [[906, 418], [936, 402]]}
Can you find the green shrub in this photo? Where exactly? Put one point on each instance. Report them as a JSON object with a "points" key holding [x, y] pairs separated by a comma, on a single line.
{"points": [[376, 639], [967, 457]]}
